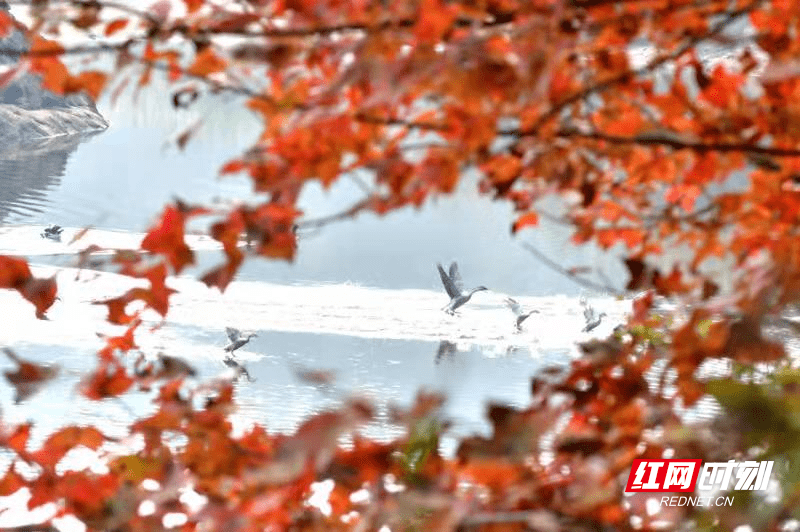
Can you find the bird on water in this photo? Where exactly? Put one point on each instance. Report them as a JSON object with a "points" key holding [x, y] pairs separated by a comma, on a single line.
{"points": [[519, 312], [237, 339], [52, 232], [454, 287], [592, 318]]}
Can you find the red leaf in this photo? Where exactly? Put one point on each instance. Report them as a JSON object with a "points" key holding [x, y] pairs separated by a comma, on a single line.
{"points": [[122, 343], [235, 22], [15, 274], [64, 440], [207, 62], [193, 5], [11, 483], [6, 24], [102, 383], [433, 21], [526, 220], [608, 237], [90, 82], [167, 238], [233, 167], [90, 496], [116, 309], [28, 377], [18, 440], [723, 87], [115, 25], [45, 62], [40, 292], [222, 275]]}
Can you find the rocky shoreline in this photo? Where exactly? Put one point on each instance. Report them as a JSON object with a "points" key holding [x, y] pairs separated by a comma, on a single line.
{"points": [[29, 113]]}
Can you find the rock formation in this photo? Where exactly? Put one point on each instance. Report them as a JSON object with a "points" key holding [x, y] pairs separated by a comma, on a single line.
{"points": [[29, 113]]}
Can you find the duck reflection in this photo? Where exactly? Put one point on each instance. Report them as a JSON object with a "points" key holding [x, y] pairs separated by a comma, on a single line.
{"points": [[447, 349]]}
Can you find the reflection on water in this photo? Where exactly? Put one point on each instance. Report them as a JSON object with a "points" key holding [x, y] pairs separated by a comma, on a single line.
{"points": [[315, 346], [29, 172], [388, 372]]}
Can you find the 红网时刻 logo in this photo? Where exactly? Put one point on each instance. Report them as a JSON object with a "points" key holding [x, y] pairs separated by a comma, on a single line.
{"points": [[684, 476]]}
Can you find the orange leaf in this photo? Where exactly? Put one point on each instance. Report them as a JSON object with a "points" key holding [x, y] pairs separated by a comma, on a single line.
{"points": [[526, 220], [433, 21], [232, 167], [45, 62], [18, 440], [440, 169], [29, 377], [11, 483], [167, 238], [102, 384], [207, 62], [64, 440], [115, 25], [15, 274], [91, 82], [502, 169], [723, 88], [193, 5], [6, 24], [608, 237], [122, 343], [629, 123]]}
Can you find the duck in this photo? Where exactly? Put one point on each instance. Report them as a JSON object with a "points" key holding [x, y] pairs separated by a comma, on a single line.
{"points": [[519, 312], [237, 339], [454, 287], [592, 319], [52, 232]]}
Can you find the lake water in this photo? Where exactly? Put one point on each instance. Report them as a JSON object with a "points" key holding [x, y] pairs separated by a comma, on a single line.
{"points": [[362, 299]]}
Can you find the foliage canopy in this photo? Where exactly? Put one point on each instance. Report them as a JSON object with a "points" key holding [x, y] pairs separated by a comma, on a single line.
{"points": [[618, 107]]}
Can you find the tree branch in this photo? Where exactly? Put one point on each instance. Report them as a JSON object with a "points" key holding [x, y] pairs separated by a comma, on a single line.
{"points": [[109, 4], [544, 259], [316, 223], [675, 142], [75, 50]]}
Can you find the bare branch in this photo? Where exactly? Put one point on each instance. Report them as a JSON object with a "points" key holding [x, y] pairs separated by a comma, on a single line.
{"points": [[75, 50], [675, 142], [109, 4], [553, 265], [316, 223]]}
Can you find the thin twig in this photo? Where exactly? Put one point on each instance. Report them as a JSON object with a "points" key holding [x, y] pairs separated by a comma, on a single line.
{"points": [[31, 528], [366, 189], [676, 143], [492, 518], [84, 49], [566, 273], [315, 223], [103, 3]]}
